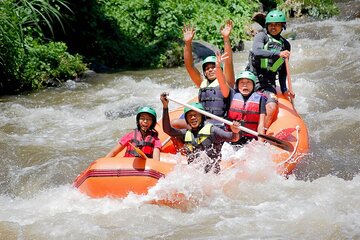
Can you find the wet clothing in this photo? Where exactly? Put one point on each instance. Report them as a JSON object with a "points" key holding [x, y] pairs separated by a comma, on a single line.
{"points": [[197, 142], [208, 139], [270, 96], [264, 61], [146, 144], [211, 98], [247, 111]]}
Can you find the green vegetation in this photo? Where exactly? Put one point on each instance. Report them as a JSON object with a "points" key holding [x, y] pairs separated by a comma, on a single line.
{"points": [[316, 8], [117, 34], [157, 24], [43, 41], [26, 60], [49, 61]]}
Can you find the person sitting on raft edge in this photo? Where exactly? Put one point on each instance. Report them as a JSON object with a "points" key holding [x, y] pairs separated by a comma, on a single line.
{"points": [[199, 136], [266, 61]]}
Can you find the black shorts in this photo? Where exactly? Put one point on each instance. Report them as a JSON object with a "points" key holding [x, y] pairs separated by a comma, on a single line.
{"points": [[270, 94]]}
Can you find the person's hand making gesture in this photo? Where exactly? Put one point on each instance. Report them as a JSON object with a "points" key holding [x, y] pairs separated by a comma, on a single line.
{"points": [[226, 30], [189, 33]]}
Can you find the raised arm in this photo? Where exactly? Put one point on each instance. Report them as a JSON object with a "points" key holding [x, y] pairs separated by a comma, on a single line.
{"points": [[224, 87], [229, 65], [195, 75], [172, 132]]}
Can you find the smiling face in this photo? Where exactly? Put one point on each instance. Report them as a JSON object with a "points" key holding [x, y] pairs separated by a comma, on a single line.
{"points": [[245, 86], [209, 71], [274, 28], [145, 121], [194, 119]]}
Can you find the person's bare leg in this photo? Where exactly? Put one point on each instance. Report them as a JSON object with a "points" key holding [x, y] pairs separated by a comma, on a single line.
{"points": [[271, 109]]}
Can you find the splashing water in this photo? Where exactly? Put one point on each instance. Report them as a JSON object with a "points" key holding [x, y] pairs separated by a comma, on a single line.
{"points": [[50, 136]]}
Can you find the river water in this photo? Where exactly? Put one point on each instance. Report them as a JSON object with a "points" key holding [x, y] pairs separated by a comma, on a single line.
{"points": [[47, 138]]}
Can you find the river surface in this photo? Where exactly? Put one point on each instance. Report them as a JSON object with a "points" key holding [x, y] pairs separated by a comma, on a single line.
{"points": [[48, 137]]}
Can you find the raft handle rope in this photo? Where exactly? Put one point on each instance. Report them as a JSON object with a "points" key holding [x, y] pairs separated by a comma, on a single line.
{"points": [[295, 149]]}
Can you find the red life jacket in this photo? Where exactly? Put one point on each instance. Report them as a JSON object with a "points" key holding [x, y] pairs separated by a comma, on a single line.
{"points": [[247, 113], [146, 145]]}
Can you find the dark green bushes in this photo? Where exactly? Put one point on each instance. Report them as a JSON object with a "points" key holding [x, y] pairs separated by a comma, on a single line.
{"points": [[315, 8], [147, 33], [156, 25], [37, 36], [49, 62], [26, 60]]}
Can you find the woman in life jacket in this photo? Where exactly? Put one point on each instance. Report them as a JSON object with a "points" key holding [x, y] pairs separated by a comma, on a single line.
{"points": [[199, 138], [144, 137], [209, 93], [266, 61], [246, 105]]}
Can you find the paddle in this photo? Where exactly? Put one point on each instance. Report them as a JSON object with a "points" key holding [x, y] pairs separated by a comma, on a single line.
{"points": [[138, 150], [288, 78], [272, 140]]}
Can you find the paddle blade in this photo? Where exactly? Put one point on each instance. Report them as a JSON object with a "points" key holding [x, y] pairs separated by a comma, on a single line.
{"points": [[138, 151], [278, 142]]}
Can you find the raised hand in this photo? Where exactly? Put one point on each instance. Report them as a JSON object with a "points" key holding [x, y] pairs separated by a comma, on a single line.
{"points": [[164, 100], [189, 33], [226, 30], [220, 58]]}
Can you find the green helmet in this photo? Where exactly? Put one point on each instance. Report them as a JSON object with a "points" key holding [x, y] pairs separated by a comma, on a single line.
{"points": [[148, 110], [275, 16], [209, 59], [198, 106], [194, 104], [246, 74]]}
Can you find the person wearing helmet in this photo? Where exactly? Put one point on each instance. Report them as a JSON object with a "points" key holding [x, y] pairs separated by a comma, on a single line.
{"points": [[144, 137], [246, 105], [209, 93], [200, 136], [266, 60]]}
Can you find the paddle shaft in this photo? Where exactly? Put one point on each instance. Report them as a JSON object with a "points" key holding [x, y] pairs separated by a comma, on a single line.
{"points": [[212, 116], [272, 140]]}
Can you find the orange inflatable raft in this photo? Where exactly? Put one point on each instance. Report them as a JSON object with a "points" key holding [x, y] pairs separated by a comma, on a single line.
{"points": [[118, 176]]}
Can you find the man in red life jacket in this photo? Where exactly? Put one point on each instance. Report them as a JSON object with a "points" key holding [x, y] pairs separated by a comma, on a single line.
{"points": [[144, 137]]}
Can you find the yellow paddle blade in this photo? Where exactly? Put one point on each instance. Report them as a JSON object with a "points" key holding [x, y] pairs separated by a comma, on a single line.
{"points": [[138, 150]]}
